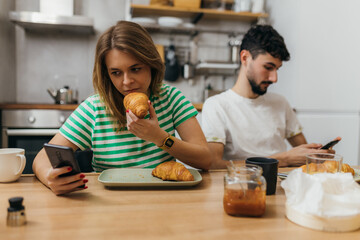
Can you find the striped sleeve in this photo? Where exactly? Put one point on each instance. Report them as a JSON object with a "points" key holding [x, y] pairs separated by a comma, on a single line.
{"points": [[78, 128], [181, 107]]}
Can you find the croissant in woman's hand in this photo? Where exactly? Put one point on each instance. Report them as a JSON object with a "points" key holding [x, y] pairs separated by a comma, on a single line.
{"points": [[137, 103]]}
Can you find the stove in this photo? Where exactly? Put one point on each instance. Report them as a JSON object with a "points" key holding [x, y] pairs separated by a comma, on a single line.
{"points": [[30, 129]]}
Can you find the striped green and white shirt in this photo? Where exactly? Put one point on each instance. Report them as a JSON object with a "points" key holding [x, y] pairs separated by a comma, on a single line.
{"points": [[91, 126]]}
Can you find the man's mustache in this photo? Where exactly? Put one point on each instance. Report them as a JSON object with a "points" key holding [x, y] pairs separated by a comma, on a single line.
{"points": [[267, 82]]}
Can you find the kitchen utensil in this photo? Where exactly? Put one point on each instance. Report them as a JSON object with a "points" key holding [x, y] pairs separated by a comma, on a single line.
{"points": [[188, 69], [234, 45], [63, 95], [172, 68]]}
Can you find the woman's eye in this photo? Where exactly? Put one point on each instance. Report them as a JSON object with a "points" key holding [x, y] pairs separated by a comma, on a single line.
{"points": [[115, 73], [135, 69]]}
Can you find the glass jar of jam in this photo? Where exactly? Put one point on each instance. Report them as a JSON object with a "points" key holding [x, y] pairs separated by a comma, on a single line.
{"points": [[244, 191]]}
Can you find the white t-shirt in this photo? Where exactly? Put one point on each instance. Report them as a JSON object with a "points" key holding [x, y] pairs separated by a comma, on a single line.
{"points": [[249, 127]]}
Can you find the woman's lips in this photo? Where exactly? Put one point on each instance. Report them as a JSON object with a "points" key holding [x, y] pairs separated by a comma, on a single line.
{"points": [[132, 90]]}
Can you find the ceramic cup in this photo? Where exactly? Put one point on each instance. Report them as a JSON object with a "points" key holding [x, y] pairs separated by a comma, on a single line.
{"points": [[12, 164], [270, 170]]}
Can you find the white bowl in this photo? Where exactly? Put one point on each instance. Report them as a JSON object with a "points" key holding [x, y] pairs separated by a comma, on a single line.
{"points": [[141, 20], [170, 21]]}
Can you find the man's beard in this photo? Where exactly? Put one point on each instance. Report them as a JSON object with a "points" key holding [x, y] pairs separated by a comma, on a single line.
{"points": [[256, 88]]}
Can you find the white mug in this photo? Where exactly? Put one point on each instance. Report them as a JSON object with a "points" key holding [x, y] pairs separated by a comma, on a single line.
{"points": [[12, 164], [242, 5]]}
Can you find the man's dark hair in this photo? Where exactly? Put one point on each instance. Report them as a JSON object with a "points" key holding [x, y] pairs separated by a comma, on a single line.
{"points": [[261, 39]]}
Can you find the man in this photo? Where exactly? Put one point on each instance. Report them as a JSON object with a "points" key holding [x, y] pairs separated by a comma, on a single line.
{"points": [[244, 121]]}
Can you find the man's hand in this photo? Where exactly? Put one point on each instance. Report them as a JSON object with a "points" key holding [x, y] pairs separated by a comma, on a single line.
{"points": [[297, 156]]}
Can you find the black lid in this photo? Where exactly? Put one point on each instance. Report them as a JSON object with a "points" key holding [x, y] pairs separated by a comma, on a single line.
{"points": [[16, 204]]}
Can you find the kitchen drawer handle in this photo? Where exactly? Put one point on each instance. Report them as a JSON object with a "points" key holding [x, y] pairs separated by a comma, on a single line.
{"points": [[31, 132]]}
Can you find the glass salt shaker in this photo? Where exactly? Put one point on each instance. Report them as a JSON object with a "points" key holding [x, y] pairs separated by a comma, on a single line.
{"points": [[16, 212], [244, 190]]}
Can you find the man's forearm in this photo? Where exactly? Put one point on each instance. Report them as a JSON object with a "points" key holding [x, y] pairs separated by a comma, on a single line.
{"points": [[282, 158]]}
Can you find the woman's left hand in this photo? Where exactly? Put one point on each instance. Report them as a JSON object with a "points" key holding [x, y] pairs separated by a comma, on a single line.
{"points": [[147, 129]]}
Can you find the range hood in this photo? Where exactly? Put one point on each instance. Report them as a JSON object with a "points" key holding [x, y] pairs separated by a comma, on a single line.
{"points": [[36, 21]]}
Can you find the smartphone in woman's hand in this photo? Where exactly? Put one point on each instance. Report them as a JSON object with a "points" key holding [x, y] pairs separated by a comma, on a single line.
{"points": [[61, 156]]}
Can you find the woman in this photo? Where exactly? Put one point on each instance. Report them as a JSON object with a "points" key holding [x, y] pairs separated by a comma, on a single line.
{"points": [[126, 60]]}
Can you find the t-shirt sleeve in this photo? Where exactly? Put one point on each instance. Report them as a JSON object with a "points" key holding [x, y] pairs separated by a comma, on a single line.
{"points": [[78, 128], [181, 107], [213, 123], [293, 126]]}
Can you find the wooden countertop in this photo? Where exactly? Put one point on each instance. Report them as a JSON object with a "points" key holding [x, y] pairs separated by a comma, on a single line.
{"points": [[198, 106], [149, 213]]}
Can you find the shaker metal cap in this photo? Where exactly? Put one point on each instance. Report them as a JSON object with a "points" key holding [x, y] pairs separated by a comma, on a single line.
{"points": [[16, 204]]}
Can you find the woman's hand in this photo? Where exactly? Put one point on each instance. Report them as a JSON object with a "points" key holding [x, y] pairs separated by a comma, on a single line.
{"points": [[61, 185], [147, 129]]}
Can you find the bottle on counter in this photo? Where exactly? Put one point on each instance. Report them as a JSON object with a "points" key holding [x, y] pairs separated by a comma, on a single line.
{"points": [[16, 212]]}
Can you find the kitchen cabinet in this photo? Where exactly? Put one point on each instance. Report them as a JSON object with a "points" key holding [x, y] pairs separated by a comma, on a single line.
{"points": [[36, 21]]}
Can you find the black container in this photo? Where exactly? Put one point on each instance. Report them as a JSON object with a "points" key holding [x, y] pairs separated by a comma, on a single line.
{"points": [[270, 170]]}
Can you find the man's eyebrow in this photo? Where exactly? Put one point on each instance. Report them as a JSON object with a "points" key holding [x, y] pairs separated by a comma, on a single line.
{"points": [[273, 65]]}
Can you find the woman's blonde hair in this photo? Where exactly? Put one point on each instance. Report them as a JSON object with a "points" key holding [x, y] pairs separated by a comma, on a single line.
{"points": [[131, 38]]}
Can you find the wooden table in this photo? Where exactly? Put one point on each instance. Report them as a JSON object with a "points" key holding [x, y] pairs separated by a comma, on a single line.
{"points": [[105, 213]]}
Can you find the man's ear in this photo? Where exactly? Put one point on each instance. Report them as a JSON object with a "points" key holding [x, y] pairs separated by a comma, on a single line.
{"points": [[244, 57]]}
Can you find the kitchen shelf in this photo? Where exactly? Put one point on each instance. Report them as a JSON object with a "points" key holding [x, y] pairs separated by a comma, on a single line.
{"points": [[216, 68], [193, 13], [36, 21], [157, 28], [217, 65]]}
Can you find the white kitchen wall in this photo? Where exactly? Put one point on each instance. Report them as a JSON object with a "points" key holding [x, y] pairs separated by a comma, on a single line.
{"points": [[321, 80], [7, 53], [47, 60]]}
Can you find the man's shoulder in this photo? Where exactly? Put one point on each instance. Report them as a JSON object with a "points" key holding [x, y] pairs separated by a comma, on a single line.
{"points": [[219, 98], [271, 96]]}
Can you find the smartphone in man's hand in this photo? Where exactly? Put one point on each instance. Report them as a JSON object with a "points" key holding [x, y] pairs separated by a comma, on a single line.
{"points": [[331, 143], [61, 156]]}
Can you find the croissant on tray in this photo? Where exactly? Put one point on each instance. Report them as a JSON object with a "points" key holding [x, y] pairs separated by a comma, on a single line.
{"points": [[137, 103], [328, 166], [172, 170]]}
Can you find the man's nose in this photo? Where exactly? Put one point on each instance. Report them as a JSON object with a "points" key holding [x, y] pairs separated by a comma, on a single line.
{"points": [[273, 77]]}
